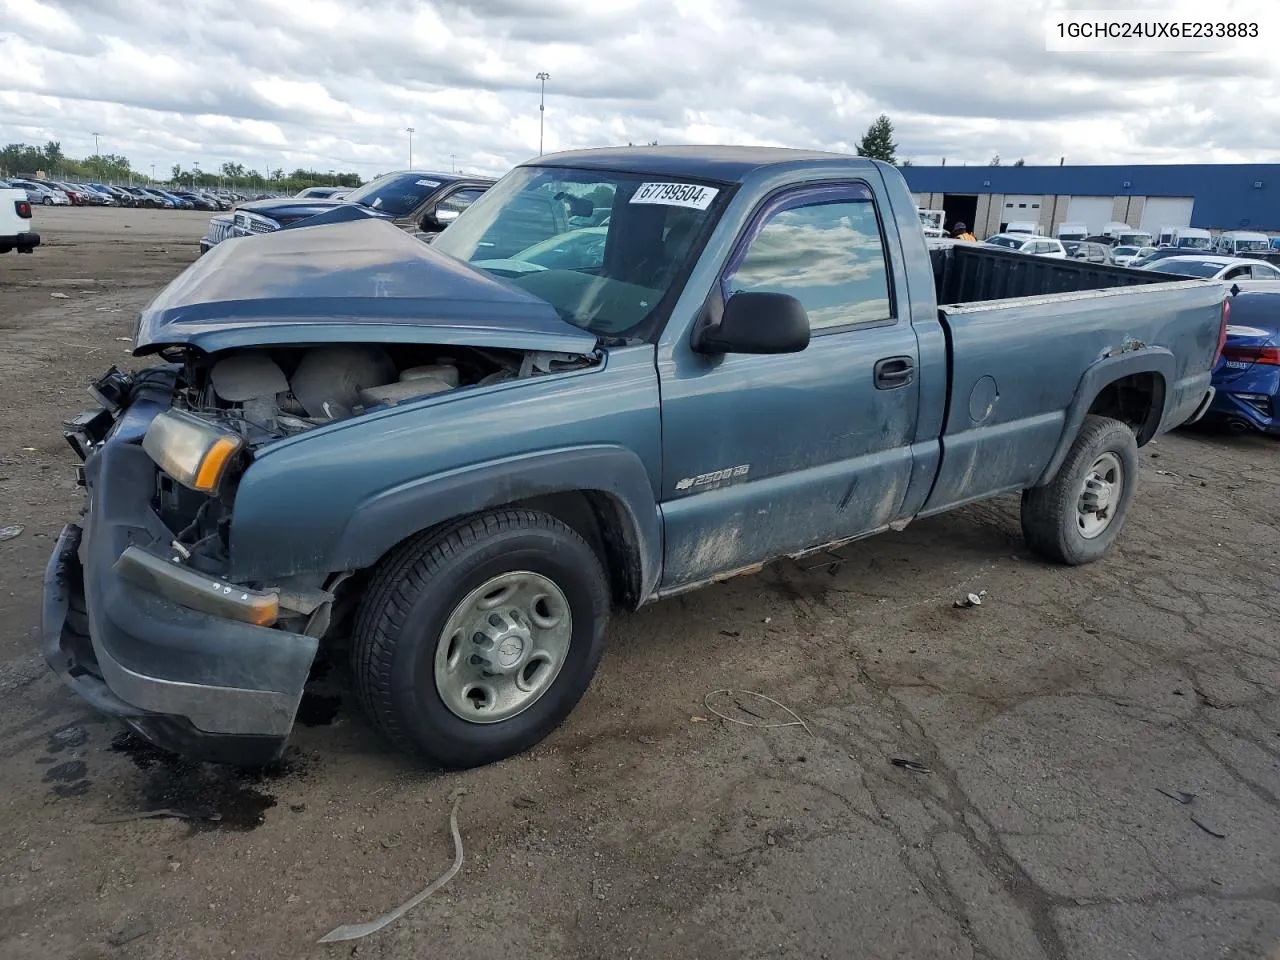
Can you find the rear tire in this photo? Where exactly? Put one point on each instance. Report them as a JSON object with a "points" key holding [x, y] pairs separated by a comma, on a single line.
{"points": [[477, 696], [1077, 517]]}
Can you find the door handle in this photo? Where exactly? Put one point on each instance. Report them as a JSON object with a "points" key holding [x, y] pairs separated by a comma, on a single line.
{"points": [[892, 372]]}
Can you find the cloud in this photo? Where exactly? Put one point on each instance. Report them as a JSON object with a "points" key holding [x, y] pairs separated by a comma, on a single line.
{"points": [[332, 84]]}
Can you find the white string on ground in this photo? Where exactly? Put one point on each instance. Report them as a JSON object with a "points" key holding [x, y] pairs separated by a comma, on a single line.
{"points": [[797, 722]]}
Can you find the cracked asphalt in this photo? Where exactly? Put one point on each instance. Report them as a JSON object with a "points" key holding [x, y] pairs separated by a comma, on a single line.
{"points": [[1093, 754]]}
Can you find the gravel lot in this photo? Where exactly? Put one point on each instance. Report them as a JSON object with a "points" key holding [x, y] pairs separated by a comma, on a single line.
{"points": [[1054, 727]]}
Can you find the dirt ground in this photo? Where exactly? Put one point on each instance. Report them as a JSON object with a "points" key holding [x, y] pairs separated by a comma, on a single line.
{"points": [[1052, 734]]}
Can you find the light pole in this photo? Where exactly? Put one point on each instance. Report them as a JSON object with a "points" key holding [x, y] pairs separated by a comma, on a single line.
{"points": [[195, 169], [153, 173], [332, 182], [97, 156], [409, 131], [453, 163], [542, 106]]}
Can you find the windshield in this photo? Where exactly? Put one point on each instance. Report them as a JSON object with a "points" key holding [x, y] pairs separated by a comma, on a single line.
{"points": [[1194, 243], [1013, 242], [1242, 245], [1124, 251], [604, 248], [1189, 268], [1135, 239], [397, 193]]}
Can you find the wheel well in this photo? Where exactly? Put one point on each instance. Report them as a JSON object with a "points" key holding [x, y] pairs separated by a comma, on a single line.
{"points": [[603, 522], [1136, 400]]}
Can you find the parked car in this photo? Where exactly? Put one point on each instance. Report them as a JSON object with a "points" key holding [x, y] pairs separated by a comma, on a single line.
{"points": [[1247, 377], [1028, 243], [1124, 256], [198, 201], [42, 193], [1160, 253], [107, 196], [418, 201], [1084, 250], [15, 220], [75, 193], [483, 462], [1216, 268], [164, 199], [319, 193]]}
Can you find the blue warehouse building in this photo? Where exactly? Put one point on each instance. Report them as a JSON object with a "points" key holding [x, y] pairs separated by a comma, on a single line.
{"points": [[1212, 196]]}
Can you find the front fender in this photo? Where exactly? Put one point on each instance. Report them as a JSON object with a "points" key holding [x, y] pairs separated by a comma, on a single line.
{"points": [[1157, 360], [382, 521]]}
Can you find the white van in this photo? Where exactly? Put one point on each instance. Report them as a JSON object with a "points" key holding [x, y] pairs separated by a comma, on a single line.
{"points": [[1115, 228], [1134, 238], [1167, 235], [1023, 226], [1235, 242], [1192, 238], [1073, 231]]}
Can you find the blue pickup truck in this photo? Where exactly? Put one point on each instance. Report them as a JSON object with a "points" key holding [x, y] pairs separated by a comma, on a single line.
{"points": [[456, 458]]}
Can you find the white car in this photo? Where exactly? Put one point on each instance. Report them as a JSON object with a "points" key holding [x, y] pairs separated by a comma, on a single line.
{"points": [[1024, 243], [1215, 268], [1123, 256]]}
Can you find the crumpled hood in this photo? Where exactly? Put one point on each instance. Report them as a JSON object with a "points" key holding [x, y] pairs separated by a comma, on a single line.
{"points": [[366, 281]]}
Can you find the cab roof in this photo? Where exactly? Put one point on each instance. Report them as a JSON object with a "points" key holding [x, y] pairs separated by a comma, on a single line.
{"points": [[720, 163]]}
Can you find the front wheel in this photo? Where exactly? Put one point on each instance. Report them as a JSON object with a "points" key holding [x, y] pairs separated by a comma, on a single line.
{"points": [[1078, 516], [474, 642], [48, 201]]}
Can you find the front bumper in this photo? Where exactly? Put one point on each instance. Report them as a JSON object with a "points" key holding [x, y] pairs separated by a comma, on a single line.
{"points": [[199, 685]]}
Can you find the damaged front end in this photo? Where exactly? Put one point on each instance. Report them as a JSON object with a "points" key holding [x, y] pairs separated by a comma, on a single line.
{"points": [[151, 612], [142, 616]]}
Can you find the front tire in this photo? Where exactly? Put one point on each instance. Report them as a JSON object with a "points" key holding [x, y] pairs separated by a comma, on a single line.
{"points": [[48, 201], [1077, 517], [474, 642]]}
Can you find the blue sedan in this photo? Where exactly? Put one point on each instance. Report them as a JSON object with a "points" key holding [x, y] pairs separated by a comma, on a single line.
{"points": [[1247, 376]]}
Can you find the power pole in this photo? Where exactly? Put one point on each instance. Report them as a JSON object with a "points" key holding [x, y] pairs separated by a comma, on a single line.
{"points": [[409, 131], [542, 106]]}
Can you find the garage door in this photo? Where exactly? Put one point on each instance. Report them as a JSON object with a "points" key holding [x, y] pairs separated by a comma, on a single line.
{"points": [[1094, 211], [1167, 212], [1021, 208]]}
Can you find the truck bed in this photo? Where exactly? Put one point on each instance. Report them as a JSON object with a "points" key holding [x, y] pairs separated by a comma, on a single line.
{"points": [[965, 273], [1021, 329]]}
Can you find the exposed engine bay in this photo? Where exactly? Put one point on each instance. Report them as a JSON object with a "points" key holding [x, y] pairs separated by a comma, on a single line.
{"points": [[268, 393]]}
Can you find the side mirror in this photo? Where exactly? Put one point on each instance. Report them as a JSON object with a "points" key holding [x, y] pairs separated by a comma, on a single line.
{"points": [[438, 218], [757, 323]]}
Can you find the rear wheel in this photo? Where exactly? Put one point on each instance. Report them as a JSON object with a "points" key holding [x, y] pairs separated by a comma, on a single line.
{"points": [[1078, 516], [475, 642]]}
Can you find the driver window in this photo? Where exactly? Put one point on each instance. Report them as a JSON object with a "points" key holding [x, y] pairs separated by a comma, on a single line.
{"points": [[828, 255], [459, 201]]}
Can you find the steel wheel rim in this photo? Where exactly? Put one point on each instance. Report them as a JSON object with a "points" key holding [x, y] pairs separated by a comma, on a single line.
{"points": [[502, 647], [1100, 495]]}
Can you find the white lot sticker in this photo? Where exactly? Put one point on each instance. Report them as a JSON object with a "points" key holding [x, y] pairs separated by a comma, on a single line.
{"points": [[676, 195], [428, 183]]}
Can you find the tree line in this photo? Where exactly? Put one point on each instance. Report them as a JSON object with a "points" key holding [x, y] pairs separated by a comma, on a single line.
{"points": [[25, 160]]}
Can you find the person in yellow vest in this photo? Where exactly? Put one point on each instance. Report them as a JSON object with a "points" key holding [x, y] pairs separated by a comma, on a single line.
{"points": [[961, 232]]}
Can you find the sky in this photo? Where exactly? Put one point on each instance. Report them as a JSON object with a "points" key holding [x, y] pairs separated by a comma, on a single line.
{"points": [[333, 84]]}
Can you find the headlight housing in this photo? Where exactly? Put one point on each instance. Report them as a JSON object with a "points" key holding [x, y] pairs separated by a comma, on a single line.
{"points": [[193, 451]]}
